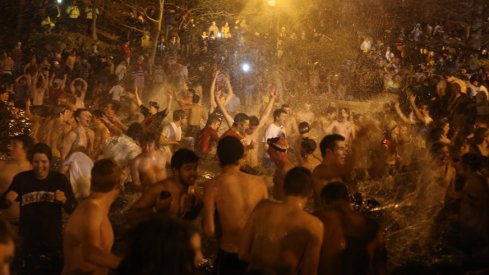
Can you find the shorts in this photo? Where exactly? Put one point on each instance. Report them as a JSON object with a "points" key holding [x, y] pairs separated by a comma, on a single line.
{"points": [[229, 264]]}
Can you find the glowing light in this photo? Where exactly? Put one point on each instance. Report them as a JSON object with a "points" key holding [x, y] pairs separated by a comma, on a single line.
{"points": [[245, 67], [272, 3], [59, 1], [219, 35]]}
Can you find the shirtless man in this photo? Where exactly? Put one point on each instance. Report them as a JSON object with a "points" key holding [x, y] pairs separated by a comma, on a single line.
{"points": [[80, 138], [171, 135], [332, 168], [230, 198], [352, 244], [150, 166], [343, 126], [17, 162], [278, 155], [88, 236], [174, 196], [281, 236], [57, 128]]}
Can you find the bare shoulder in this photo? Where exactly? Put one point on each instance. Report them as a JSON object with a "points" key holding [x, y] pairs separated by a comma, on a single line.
{"points": [[313, 223]]}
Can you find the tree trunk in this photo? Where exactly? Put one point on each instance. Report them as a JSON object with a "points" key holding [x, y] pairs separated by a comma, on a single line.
{"points": [[94, 20], [20, 18], [475, 35], [156, 34]]}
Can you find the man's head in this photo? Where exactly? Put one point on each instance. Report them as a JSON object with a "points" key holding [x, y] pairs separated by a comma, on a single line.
{"points": [[8, 238], [40, 157], [153, 107], [149, 142], [109, 109], [334, 191], [333, 148], [280, 116], [304, 128], [82, 117], [440, 153], [184, 163], [254, 122], [481, 135], [229, 151], [106, 176], [135, 131], [214, 122], [298, 182], [19, 146], [178, 115], [308, 146], [195, 98], [241, 122]]}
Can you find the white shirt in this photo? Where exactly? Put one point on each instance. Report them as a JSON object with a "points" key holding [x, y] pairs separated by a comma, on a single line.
{"points": [[80, 170], [273, 131], [117, 91]]}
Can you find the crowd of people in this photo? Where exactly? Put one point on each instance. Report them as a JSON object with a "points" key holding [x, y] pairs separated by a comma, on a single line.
{"points": [[80, 132]]}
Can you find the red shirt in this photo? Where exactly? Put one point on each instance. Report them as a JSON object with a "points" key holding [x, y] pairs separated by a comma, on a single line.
{"points": [[205, 140]]}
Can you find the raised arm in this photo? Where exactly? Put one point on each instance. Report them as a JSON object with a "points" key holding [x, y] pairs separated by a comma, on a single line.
{"points": [[230, 91], [213, 88], [268, 110], [227, 116], [412, 103], [138, 99]]}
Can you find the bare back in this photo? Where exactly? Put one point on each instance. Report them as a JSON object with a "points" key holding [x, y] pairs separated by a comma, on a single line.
{"points": [[236, 196], [284, 239], [89, 215]]}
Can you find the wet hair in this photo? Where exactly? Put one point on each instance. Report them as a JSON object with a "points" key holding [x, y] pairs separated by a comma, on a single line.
{"points": [[473, 161], [213, 119], [135, 131], [40, 148], [285, 106], [480, 134], [178, 115], [195, 99], [106, 175], [277, 113], [240, 117], [148, 138], [181, 157], [334, 191], [329, 142], [159, 246], [229, 150], [154, 104], [254, 121], [304, 127], [308, 146], [298, 182], [27, 141], [79, 111], [7, 234]]}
